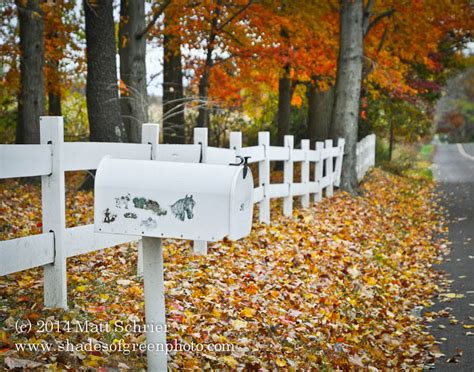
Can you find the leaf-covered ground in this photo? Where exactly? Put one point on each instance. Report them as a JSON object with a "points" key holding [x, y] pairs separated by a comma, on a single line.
{"points": [[338, 285]]}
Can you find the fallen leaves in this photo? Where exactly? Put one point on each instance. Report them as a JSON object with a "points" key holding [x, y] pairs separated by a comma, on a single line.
{"points": [[453, 295], [248, 312], [340, 285]]}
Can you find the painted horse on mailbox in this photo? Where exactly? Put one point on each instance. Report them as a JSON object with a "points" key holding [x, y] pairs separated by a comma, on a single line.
{"points": [[184, 207]]}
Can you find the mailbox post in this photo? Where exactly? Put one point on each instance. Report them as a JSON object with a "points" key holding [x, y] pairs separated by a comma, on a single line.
{"points": [[154, 289], [158, 199]]}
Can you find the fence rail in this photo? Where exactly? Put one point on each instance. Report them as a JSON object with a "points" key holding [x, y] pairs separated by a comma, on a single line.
{"points": [[53, 157]]}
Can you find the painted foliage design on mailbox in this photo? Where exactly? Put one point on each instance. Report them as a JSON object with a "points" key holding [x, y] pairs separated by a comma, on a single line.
{"points": [[109, 217], [149, 223], [181, 209], [184, 207], [148, 204], [122, 201]]}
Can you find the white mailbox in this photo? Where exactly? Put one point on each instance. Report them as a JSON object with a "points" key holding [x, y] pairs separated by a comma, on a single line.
{"points": [[173, 200]]}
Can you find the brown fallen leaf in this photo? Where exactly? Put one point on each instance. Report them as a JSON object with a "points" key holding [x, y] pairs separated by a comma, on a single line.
{"points": [[453, 359]]}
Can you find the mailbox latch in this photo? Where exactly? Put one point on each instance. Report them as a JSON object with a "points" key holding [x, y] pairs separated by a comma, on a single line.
{"points": [[244, 160]]}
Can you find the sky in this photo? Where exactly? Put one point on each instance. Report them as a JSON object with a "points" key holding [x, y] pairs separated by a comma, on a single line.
{"points": [[154, 70]]}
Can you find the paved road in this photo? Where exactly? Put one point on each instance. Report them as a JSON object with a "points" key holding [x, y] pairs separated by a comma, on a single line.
{"points": [[469, 148], [454, 171]]}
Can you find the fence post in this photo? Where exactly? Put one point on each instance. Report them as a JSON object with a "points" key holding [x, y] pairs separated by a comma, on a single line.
{"points": [[318, 170], [200, 138], [54, 212], [339, 159], [151, 136], [329, 168], [305, 173], [264, 177], [235, 141], [358, 146], [288, 176], [374, 146]]}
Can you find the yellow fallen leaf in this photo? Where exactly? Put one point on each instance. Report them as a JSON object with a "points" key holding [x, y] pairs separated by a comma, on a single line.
{"points": [[248, 312], [81, 288], [216, 313], [229, 360], [238, 324], [454, 295], [468, 326], [280, 362], [371, 281]]}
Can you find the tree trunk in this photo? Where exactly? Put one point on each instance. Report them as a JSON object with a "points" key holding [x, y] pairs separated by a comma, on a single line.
{"points": [[348, 85], [31, 99], [54, 91], [173, 97], [203, 114], [132, 50], [320, 105], [284, 105], [391, 140], [54, 104], [103, 105]]}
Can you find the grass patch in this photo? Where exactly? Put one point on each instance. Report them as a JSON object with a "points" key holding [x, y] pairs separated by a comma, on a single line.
{"points": [[426, 151], [412, 160]]}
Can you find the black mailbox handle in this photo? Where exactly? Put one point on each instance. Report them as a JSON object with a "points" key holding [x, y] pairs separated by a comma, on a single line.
{"points": [[244, 160]]}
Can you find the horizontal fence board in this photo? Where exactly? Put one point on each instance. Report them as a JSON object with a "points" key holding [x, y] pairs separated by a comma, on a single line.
{"points": [[256, 153], [325, 181], [299, 189], [298, 155], [82, 239], [179, 153], [26, 253], [278, 153], [325, 153], [278, 190], [25, 160], [87, 155], [258, 194], [216, 155], [313, 186], [314, 155]]}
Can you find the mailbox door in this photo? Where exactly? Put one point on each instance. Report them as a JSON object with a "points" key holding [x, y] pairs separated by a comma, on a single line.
{"points": [[241, 205], [164, 199]]}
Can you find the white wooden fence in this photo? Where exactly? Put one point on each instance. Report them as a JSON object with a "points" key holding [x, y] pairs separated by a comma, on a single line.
{"points": [[365, 155], [53, 157]]}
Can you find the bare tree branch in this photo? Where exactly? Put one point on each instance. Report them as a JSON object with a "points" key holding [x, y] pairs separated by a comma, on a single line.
{"points": [[367, 14], [235, 15], [376, 20], [156, 15], [382, 39]]}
